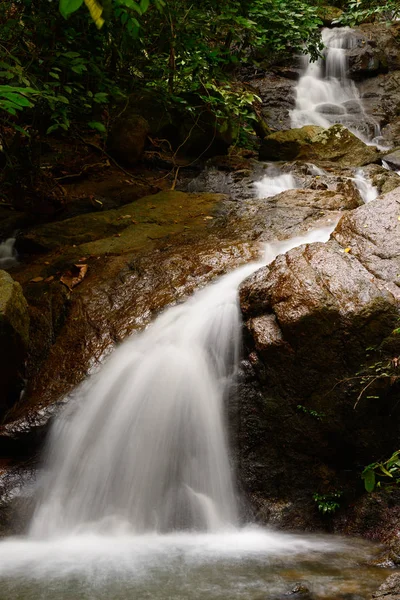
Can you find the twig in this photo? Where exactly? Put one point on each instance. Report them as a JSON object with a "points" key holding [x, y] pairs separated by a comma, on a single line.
{"points": [[363, 390]]}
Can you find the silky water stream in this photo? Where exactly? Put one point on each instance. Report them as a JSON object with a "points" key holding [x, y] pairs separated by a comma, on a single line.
{"points": [[137, 498]]}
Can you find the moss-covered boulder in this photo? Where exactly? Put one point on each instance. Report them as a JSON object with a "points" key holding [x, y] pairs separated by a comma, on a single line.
{"points": [[316, 144], [14, 338], [124, 229], [328, 14]]}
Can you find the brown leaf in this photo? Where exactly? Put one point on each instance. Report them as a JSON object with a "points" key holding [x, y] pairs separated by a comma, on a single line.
{"points": [[74, 276], [49, 279], [37, 279]]}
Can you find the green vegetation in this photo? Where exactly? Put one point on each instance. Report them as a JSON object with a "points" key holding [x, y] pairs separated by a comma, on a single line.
{"points": [[385, 473], [313, 413], [75, 67], [328, 503], [359, 11]]}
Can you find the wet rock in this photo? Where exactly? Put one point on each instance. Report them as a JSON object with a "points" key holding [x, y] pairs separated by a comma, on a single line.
{"points": [[366, 60], [14, 340], [380, 97], [330, 109], [352, 106], [384, 37], [314, 144], [127, 138], [393, 160], [277, 95], [309, 317], [123, 229], [390, 589], [384, 180]]}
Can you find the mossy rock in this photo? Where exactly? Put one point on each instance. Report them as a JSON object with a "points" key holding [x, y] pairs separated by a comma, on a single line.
{"points": [[316, 144], [328, 14], [125, 229]]}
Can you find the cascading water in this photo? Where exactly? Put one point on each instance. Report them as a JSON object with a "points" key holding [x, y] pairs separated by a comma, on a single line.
{"points": [[137, 499], [325, 95], [8, 255], [366, 189], [274, 182]]}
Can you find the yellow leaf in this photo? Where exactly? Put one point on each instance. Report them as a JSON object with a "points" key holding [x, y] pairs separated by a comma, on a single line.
{"points": [[347, 249], [96, 10]]}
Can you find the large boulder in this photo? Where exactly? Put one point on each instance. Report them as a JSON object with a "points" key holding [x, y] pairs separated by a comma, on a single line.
{"points": [[127, 138], [278, 97], [301, 422], [123, 229], [316, 144], [14, 338], [380, 97]]}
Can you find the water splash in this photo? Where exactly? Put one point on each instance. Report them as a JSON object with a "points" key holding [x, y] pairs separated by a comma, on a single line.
{"points": [[274, 183], [8, 254]]}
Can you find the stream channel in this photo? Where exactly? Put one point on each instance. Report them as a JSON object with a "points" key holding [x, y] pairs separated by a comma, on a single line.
{"points": [[137, 498]]}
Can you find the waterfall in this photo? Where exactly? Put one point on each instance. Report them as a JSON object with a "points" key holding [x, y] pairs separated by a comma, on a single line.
{"points": [[274, 183], [8, 255], [144, 446], [325, 95]]}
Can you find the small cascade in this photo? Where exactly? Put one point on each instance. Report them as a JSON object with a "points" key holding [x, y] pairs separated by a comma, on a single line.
{"points": [[8, 254], [325, 95], [145, 449], [274, 183], [367, 191]]}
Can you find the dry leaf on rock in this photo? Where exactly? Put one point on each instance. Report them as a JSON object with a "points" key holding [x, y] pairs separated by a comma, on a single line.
{"points": [[74, 276]]}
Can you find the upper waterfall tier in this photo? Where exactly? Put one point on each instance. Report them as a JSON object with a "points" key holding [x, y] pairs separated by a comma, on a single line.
{"points": [[325, 95]]}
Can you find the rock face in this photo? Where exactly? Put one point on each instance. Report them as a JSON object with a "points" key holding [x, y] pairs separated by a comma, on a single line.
{"points": [[14, 336], [128, 137], [390, 590], [310, 316], [316, 144], [393, 160]]}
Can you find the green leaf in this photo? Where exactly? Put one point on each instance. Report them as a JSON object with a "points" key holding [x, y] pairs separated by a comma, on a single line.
{"points": [[369, 479], [98, 126], [144, 5], [67, 7]]}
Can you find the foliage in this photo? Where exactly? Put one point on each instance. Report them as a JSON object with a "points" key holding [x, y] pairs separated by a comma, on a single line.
{"points": [[359, 11], [385, 473], [313, 413], [65, 69], [328, 503]]}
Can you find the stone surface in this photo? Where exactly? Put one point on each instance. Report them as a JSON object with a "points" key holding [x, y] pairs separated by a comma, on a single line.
{"points": [[299, 423], [124, 229], [328, 14], [393, 160], [127, 138], [14, 339], [277, 95], [390, 590], [314, 144]]}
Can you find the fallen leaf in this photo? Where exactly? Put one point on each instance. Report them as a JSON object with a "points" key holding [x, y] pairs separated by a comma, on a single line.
{"points": [[49, 279], [74, 276], [37, 279], [207, 218], [347, 249]]}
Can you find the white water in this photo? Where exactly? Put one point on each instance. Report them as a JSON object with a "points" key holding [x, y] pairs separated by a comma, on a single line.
{"points": [[8, 254], [138, 474], [367, 191], [274, 183], [325, 95]]}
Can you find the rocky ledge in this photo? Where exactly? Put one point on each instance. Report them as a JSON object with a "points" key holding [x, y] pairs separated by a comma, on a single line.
{"points": [[315, 320]]}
